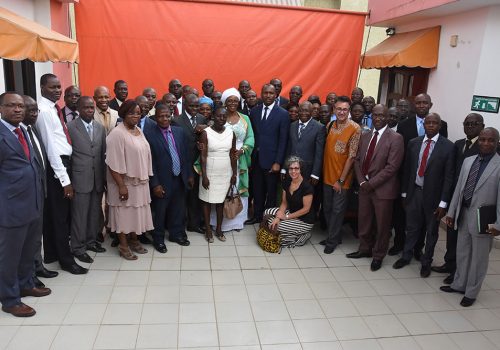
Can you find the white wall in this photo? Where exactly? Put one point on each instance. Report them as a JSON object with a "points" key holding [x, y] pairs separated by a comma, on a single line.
{"points": [[467, 69]]}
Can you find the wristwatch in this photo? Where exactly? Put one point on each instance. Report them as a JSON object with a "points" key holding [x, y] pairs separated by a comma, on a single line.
{"points": [[340, 181]]}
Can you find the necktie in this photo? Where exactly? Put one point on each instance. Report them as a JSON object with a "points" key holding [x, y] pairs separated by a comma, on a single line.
{"points": [[425, 157], [193, 122], [301, 129], [468, 143], [421, 130], [176, 110], [22, 140], [63, 124], [176, 163], [472, 179], [90, 130], [369, 153], [264, 117], [38, 154]]}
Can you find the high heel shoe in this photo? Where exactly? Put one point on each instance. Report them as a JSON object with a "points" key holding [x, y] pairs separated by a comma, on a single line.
{"points": [[209, 237], [126, 253], [136, 246], [220, 236]]}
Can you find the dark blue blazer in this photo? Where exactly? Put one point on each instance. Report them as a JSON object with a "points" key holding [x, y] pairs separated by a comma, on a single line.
{"points": [[162, 162], [21, 185], [271, 136]]}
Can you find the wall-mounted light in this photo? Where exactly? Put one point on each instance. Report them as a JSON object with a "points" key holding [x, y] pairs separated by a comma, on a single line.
{"points": [[454, 40]]}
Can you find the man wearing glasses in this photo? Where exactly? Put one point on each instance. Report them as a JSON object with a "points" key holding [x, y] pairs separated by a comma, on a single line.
{"points": [[341, 147]]}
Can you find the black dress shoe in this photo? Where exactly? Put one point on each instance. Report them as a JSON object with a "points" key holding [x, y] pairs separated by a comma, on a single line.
{"points": [[100, 237], [42, 271], [448, 289], [196, 229], [376, 265], [38, 283], [449, 279], [160, 247], [323, 242], [96, 247], [425, 271], [115, 242], [400, 263], [75, 269], [329, 249], [180, 241], [84, 258], [417, 254], [466, 302], [252, 221], [442, 269], [394, 251], [144, 239], [358, 255]]}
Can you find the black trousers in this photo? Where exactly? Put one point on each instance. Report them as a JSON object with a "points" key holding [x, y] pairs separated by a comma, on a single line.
{"points": [[265, 186], [450, 258], [57, 223], [193, 204]]}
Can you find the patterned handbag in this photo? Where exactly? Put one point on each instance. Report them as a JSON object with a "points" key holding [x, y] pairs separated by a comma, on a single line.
{"points": [[268, 239]]}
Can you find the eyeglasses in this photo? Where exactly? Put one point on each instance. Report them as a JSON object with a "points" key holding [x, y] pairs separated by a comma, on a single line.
{"points": [[342, 110], [13, 105], [472, 123], [292, 168]]}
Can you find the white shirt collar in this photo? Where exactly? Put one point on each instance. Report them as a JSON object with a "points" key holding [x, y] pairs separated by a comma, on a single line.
{"points": [[85, 123], [435, 138], [189, 115], [381, 131], [8, 125], [46, 101], [270, 107], [306, 123]]}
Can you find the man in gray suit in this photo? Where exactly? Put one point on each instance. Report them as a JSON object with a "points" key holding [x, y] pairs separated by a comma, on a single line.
{"points": [[427, 187], [307, 139], [88, 175], [478, 185]]}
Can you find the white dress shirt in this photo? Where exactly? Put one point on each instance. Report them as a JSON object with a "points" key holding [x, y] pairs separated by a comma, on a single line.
{"points": [[179, 105], [70, 115], [53, 138], [36, 140], [269, 109]]}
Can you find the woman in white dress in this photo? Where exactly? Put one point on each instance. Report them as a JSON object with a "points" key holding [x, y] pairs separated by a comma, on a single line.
{"points": [[218, 170], [242, 128]]}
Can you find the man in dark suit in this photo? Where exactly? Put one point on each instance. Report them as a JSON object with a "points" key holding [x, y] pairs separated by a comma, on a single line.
{"points": [[30, 117], [172, 176], [121, 93], [250, 102], [467, 147], [427, 188], [243, 88], [306, 139], [377, 163], [271, 125], [192, 123], [278, 85], [21, 202], [88, 174], [145, 122], [71, 95]]}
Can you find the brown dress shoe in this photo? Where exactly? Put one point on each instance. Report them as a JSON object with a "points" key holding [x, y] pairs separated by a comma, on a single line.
{"points": [[19, 310], [35, 292]]}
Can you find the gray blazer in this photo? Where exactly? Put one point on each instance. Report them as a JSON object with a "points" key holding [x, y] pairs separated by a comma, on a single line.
{"points": [[309, 147], [486, 192], [87, 161]]}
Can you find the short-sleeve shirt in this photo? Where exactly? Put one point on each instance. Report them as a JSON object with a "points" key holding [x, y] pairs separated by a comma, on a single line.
{"points": [[341, 144], [295, 200]]}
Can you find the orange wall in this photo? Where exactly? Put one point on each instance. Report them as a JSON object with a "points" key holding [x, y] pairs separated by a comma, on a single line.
{"points": [[59, 16]]}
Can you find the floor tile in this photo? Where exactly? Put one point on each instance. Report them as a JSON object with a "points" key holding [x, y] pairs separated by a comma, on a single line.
{"points": [[304, 309], [80, 314], [60, 295], [348, 328], [432, 302], [342, 307], [33, 337], [276, 332], [400, 304], [6, 334], [221, 278], [292, 291], [357, 289], [116, 337], [160, 313], [482, 319], [240, 333], [196, 294], [435, 342], [228, 293], [398, 343], [157, 336], [237, 311], [269, 311], [132, 278], [263, 292], [322, 346], [222, 251], [195, 263], [196, 278], [48, 314], [451, 321], [166, 264], [100, 278], [282, 262], [387, 287], [319, 275], [327, 290], [360, 344], [253, 262], [162, 294], [65, 338], [314, 330], [370, 306], [258, 276], [309, 261], [93, 294], [348, 273], [128, 295], [249, 250], [225, 263], [419, 323], [384, 326], [122, 314], [196, 313], [472, 340], [206, 335], [288, 276], [164, 278]]}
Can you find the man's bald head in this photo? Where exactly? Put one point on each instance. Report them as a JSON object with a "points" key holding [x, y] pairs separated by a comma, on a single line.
{"points": [[488, 141], [101, 97]]}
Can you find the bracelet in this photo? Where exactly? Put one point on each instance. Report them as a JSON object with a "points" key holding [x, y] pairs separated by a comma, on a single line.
{"points": [[340, 181], [286, 216]]}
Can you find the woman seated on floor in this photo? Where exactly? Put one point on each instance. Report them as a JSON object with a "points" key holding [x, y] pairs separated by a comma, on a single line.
{"points": [[294, 219]]}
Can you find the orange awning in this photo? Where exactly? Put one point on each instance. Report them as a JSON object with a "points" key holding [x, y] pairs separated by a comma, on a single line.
{"points": [[22, 39], [412, 49]]}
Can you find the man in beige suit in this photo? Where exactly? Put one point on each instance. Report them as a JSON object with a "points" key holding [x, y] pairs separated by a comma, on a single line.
{"points": [[103, 114], [376, 165], [478, 185]]}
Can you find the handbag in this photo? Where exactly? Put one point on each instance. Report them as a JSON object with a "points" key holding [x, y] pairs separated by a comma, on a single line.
{"points": [[232, 204], [268, 239]]}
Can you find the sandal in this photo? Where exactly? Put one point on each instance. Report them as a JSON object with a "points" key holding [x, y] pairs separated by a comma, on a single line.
{"points": [[220, 236], [126, 253], [209, 237], [136, 246]]}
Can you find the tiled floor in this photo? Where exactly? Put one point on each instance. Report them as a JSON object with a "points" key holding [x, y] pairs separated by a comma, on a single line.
{"points": [[233, 296]]}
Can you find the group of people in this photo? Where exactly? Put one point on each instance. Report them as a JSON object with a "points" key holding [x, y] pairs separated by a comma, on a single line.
{"points": [[169, 165]]}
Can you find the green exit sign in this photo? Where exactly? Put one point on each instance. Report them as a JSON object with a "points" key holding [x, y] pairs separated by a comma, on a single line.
{"points": [[486, 104]]}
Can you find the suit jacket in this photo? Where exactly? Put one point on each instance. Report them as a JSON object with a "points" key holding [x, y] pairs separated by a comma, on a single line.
{"points": [[460, 155], [309, 147], [66, 114], [191, 137], [88, 169], [384, 166], [21, 185], [486, 192], [283, 101], [408, 129], [113, 104], [41, 165], [439, 172], [111, 124], [271, 135], [162, 161]]}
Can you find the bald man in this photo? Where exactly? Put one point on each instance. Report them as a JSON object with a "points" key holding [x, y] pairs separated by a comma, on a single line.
{"points": [[103, 114]]}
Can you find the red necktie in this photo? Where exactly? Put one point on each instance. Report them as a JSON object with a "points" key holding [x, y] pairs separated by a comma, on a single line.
{"points": [[369, 153], [22, 140], [63, 124], [425, 157], [176, 111]]}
